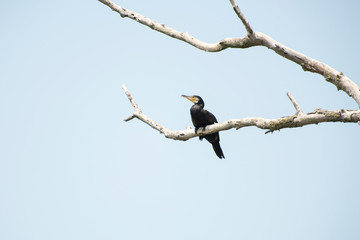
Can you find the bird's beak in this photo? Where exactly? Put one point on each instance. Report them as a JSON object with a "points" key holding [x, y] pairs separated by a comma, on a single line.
{"points": [[191, 98]]}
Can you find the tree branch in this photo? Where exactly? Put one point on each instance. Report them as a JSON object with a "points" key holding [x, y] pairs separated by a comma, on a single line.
{"points": [[330, 74], [242, 17], [297, 120], [296, 106]]}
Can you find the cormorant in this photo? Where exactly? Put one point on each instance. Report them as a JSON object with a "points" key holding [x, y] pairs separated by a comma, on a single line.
{"points": [[201, 118]]}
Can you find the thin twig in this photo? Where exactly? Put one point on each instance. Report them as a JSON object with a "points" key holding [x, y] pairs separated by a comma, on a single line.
{"points": [[296, 106], [242, 17], [139, 115], [132, 101]]}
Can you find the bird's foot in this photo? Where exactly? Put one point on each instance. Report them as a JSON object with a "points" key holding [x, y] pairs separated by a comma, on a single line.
{"points": [[196, 129]]}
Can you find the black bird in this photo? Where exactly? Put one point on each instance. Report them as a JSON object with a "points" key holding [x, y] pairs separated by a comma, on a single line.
{"points": [[201, 118]]}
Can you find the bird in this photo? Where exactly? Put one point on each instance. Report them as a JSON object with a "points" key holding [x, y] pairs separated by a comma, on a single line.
{"points": [[201, 118]]}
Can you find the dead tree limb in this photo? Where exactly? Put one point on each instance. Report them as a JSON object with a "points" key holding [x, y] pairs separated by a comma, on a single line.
{"points": [[253, 38], [299, 119]]}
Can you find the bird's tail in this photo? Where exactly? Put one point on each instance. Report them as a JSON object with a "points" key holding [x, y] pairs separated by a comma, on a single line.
{"points": [[217, 149]]}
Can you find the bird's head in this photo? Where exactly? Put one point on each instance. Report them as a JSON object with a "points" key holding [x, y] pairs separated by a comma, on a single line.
{"points": [[195, 99]]}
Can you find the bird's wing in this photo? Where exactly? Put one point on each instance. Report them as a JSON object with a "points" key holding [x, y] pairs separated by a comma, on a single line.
{"points": [[213, 138], [210, 118]]}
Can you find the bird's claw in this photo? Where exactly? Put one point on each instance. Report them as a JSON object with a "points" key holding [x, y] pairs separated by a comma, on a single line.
{"points": [[197, 128]]}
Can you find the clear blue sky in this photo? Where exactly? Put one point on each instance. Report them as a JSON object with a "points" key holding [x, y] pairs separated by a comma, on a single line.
{"points": [[70, 168]]}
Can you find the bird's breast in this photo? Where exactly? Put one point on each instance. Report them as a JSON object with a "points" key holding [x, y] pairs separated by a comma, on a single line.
{"points": [[197, 116]]}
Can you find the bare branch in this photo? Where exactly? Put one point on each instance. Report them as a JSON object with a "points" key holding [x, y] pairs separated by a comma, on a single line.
{"points": [[296, 106], [331, 75], [129, 118], [242, 17], [208, 47], [297, 120], [252, 39], [139, 115], [132, 101]]}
